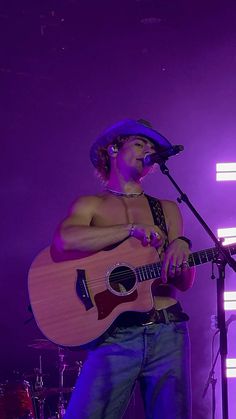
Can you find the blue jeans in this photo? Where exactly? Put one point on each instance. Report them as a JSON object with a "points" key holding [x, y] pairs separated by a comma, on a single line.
{"points": [[156, 355]]}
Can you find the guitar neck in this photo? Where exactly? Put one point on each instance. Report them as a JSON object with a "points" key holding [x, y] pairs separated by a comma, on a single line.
{"points": [[207, 255], [153, 270]]}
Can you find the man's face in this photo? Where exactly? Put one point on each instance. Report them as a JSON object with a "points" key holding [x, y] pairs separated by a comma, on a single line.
{"points": [[131, 154]]}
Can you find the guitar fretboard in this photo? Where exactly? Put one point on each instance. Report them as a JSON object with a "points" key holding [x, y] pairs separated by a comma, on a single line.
{"points": [[153, 270]]}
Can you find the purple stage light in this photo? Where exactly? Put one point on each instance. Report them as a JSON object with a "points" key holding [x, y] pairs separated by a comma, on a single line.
{"points": [[230, 300], [231, 367], [228, 234], [225, 171]]}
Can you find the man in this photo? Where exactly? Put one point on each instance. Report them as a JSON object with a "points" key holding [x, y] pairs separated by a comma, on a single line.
{"points": [[152, 347]]}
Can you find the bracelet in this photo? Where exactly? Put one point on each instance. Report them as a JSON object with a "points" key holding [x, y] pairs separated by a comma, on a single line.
{"points": [[185, 239], [131, 230]]}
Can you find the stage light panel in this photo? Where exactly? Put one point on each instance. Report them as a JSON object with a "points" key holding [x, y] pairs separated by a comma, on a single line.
{"points": [[230, 300], [231, 367], [225, 171], [228, 234]]}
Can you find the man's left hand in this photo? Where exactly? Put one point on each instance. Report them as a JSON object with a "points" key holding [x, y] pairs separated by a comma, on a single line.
{"points": [[175, 260]]}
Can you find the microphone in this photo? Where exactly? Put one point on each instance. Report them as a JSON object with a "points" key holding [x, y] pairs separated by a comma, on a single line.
{"points": [[152, 158]]}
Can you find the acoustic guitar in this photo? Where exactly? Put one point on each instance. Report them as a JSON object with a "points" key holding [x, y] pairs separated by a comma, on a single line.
{"points": [[75, 301]]}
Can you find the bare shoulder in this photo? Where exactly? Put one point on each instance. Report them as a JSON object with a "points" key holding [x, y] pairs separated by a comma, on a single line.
{"points": [[85, 202], [82, 210]]}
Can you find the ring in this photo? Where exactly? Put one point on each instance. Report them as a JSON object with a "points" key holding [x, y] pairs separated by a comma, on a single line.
{"points": [[154, 233], [185, 263]]}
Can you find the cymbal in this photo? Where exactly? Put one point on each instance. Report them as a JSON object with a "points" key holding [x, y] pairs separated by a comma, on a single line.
{"points": [[45, 392], [44, 344]]}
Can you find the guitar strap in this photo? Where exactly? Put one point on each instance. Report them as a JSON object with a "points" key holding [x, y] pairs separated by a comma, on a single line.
{"points": [[158, 214]]}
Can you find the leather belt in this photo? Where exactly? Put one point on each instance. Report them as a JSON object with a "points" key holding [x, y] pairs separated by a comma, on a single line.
{"points": [[167, 315]]}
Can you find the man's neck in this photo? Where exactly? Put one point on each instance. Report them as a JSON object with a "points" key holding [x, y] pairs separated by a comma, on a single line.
{"points": [[122, 186]]}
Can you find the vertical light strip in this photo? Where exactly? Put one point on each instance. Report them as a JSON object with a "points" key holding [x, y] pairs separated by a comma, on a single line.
{"points": [[225, 172]]}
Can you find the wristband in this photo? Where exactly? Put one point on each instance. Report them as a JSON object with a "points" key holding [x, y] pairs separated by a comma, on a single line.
{"points": [[185, 239]]}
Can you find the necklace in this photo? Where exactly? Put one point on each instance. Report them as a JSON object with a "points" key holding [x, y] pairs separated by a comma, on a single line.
{"points": [[126, 195]]}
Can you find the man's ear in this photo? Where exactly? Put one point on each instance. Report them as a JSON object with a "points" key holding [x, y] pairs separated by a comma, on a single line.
{"points": [[112, 150]]}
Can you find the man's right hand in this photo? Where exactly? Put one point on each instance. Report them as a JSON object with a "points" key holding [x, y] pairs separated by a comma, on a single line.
{"points": [[149, 235]]}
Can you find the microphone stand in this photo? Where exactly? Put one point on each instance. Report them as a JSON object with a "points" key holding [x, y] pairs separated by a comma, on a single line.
{"points": [[212, 380], [211, 377], [223, 258]]}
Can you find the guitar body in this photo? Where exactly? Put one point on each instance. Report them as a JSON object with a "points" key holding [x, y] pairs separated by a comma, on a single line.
{"points": [[75, 301]]}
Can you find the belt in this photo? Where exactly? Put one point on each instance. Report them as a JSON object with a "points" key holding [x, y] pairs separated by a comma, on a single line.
{"points": [[167, 315]]}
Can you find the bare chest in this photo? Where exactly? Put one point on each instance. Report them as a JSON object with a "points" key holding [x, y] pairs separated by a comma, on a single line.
{"points": [[120, 210]]}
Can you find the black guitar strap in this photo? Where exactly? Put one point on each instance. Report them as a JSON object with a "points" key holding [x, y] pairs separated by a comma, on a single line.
{"points": [[157, 213]]}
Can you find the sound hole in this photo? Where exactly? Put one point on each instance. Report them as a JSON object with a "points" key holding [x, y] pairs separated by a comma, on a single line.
{"points": [[122, 279]]}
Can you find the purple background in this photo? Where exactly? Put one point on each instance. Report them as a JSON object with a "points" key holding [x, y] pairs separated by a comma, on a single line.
{"points": [[71, 68]]}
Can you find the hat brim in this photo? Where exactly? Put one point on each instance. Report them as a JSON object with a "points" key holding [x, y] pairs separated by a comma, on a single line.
{"points": [[123, 128]]}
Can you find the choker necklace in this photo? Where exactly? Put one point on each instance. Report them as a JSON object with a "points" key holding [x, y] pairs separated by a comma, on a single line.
{"points": [[126, 195]]}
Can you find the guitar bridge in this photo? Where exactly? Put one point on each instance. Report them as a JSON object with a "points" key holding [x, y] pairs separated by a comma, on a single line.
{"points": [[82, 289]]}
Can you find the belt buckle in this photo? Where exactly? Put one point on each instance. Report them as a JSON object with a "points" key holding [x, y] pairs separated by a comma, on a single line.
{"points": [[152, 319], [148, 323]]}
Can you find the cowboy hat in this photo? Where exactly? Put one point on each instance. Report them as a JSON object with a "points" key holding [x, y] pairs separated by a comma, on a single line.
{"points": [[123, 128]]}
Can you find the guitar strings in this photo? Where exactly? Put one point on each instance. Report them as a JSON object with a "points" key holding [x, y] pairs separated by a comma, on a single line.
{"points": [[99, 281], [121, 276]]}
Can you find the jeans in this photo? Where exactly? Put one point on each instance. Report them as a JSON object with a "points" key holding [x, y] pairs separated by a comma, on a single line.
{"points": [[156, 355]]}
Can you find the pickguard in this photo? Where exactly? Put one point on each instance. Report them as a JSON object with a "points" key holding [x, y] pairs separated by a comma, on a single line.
{"points": [[106, 302]]}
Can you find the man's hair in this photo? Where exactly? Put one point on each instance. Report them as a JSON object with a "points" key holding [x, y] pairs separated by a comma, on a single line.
{"points": [[104, 162]]}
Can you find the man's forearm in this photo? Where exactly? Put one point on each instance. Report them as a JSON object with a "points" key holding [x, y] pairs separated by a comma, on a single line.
{"points": [[90, 238]]}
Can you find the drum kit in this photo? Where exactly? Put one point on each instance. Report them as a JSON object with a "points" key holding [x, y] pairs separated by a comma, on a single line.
{"points": [[27, 397]]}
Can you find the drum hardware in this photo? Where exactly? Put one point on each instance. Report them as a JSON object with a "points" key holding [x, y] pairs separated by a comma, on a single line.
{"points": [[79, 365], [40, 391], [2, 402], [61, 368], [38, 385], [21, 399], [51, 391], [75, 368], [39, 375]]}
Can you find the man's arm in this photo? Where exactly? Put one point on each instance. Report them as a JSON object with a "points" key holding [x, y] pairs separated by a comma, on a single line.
{"points": [[182, 277], [76, 233], [77, 236]]}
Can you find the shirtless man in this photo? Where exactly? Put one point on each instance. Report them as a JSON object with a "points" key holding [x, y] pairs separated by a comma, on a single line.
{"points": [[153, 347]]}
